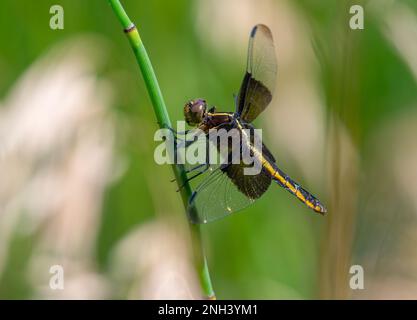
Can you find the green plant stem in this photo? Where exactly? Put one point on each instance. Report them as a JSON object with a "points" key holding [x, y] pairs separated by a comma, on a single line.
{"points": [[164, 122]]}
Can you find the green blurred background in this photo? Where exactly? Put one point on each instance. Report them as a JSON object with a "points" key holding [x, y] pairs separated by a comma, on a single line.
{"points": [[79, 186]]}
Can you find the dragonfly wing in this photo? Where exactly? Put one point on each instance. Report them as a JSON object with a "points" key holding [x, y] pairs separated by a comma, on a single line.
{"points": [[258, 84], [229, 187], [224, 191], [252, 186]]}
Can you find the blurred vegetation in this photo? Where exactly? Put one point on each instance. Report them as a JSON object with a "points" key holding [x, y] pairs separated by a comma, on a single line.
{"points": [[275, 248]]}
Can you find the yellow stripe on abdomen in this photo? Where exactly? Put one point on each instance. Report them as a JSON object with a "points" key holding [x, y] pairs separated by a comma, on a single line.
{"points": [[291, 186]]}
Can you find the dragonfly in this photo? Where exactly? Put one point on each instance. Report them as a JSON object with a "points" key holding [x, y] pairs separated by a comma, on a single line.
{"points": [[226, 188]]}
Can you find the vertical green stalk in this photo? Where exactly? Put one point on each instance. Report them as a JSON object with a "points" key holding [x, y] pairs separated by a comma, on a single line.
{"points": [[164, 122]]}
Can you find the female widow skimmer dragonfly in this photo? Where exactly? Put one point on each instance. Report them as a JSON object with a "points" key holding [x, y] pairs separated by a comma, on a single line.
{"points": [[226, 189]]}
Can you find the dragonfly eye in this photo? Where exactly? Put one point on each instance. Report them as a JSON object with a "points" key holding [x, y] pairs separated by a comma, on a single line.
{"points": [[195, 111]]}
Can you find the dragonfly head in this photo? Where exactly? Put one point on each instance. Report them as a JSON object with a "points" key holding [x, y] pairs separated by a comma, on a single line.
{"points": [[195, 111]]}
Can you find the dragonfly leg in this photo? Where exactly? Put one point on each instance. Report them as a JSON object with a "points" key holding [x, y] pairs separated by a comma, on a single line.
{"points": [[193, 169], [176, 133], [194, 176], [206, 164], [197, 167]]}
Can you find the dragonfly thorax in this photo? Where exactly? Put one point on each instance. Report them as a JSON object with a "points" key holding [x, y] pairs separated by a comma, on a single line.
{"points": [[195, 111]]}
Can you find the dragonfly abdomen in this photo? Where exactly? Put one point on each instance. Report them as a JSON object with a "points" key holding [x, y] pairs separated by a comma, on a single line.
{"points": [[287, 183]]}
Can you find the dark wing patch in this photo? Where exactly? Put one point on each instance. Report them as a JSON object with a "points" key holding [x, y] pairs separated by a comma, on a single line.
{"points": [[257, 86], [252, 186]]}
